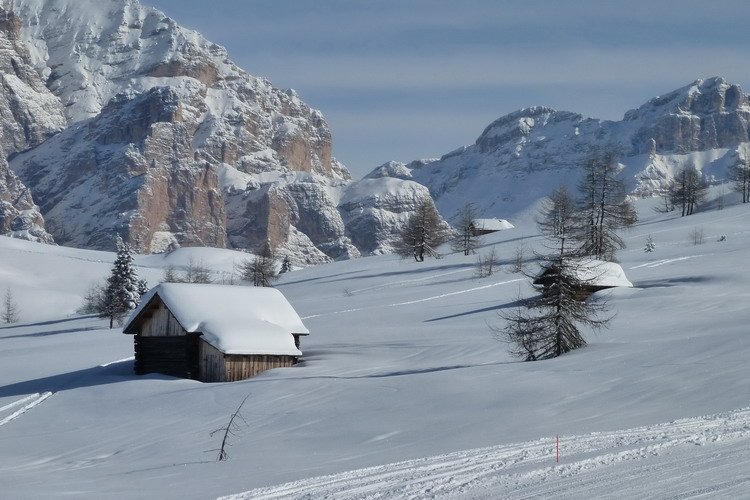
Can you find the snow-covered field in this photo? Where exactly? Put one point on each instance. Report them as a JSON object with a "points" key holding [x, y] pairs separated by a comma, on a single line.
{"points": [[404, 391]]}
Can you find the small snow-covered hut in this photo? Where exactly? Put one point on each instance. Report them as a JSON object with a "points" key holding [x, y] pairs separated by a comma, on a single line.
{"points": [[214, 333], [593, 275], [479, 227]]}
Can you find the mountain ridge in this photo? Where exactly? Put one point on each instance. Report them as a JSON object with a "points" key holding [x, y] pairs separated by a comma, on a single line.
{"points": [[520, 157]]}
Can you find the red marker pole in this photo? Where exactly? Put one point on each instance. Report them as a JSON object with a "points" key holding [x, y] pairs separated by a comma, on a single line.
{"points": [[557, 454]]}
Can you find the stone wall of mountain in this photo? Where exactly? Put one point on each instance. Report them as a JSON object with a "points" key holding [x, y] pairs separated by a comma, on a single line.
{"points": [[154, 114], [29, 114]]}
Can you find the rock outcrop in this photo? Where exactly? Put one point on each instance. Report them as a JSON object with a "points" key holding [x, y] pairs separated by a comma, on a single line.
{"points": [[376, 209], [29, 114], [19, 216], [154, 109]]}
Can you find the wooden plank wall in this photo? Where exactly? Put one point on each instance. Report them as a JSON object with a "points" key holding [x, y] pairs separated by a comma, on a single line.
{"points": [[161, 324], [212, 367], [240, 367], [176, 356]]}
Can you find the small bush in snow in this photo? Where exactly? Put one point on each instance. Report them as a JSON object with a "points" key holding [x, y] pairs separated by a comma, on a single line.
{"points": [[197, 273], [10, 308], [486, 264], [261, 269], [650, 245], [697, 236], [518, 264]]}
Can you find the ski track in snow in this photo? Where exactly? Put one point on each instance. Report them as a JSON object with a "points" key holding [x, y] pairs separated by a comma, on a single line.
{"points": [[406, 282], [524, 470], [662, 262], [28, 403], [417, 301]]}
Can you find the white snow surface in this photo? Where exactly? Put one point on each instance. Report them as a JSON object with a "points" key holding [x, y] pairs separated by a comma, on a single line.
{"points": [[492, 224], [403, 390], [601, 273], [234, 319]]}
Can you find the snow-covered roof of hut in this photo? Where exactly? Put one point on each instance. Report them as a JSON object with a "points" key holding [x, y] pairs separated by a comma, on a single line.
{"points": [[492, 224], [601, 273], [234, 319]]}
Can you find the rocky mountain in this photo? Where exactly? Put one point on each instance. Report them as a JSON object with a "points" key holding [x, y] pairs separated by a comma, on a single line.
{"points": [[168, 142], [29, 114], [19, 216], [376, 208], [119, 121], [522, 156]]}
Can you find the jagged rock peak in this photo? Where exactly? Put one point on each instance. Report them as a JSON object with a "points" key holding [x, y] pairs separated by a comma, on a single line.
{"points": [[706, 114], [519, 124], [703, 96]]}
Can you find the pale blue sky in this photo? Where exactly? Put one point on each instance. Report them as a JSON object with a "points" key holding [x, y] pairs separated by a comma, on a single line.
{"points": [[401, 79]]}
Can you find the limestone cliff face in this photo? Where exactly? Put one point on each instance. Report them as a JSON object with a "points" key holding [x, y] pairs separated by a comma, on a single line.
{"points": [[29, 114], [295, 214], [376, 208], [156, 113], [130, 171], [708, 114], [19, 216]]}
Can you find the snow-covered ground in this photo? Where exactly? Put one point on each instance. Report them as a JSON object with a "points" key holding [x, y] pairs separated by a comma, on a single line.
{"points": [[404, 391]]}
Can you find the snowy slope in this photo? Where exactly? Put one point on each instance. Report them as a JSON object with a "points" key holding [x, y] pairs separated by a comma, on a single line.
{"points": [[399, 365]]}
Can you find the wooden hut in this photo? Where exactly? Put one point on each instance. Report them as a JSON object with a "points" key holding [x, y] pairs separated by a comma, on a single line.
{"points": [[214, 333], [479, 227], [592, 275]]}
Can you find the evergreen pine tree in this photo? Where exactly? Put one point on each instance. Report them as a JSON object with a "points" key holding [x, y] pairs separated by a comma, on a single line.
{"points": [[122, 292], [286, 266], [142, 287]]}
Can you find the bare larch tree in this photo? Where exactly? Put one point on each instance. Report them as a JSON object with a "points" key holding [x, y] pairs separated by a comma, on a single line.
{"points": [[603, 206], [424, 231], [548, 324], [261, 269], [464, 239], [688, 189], [739, 174]]}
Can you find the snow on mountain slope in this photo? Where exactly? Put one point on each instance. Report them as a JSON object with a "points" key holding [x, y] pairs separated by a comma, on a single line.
{"points": [[400, 365], [94, 55], [522, 156]]}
